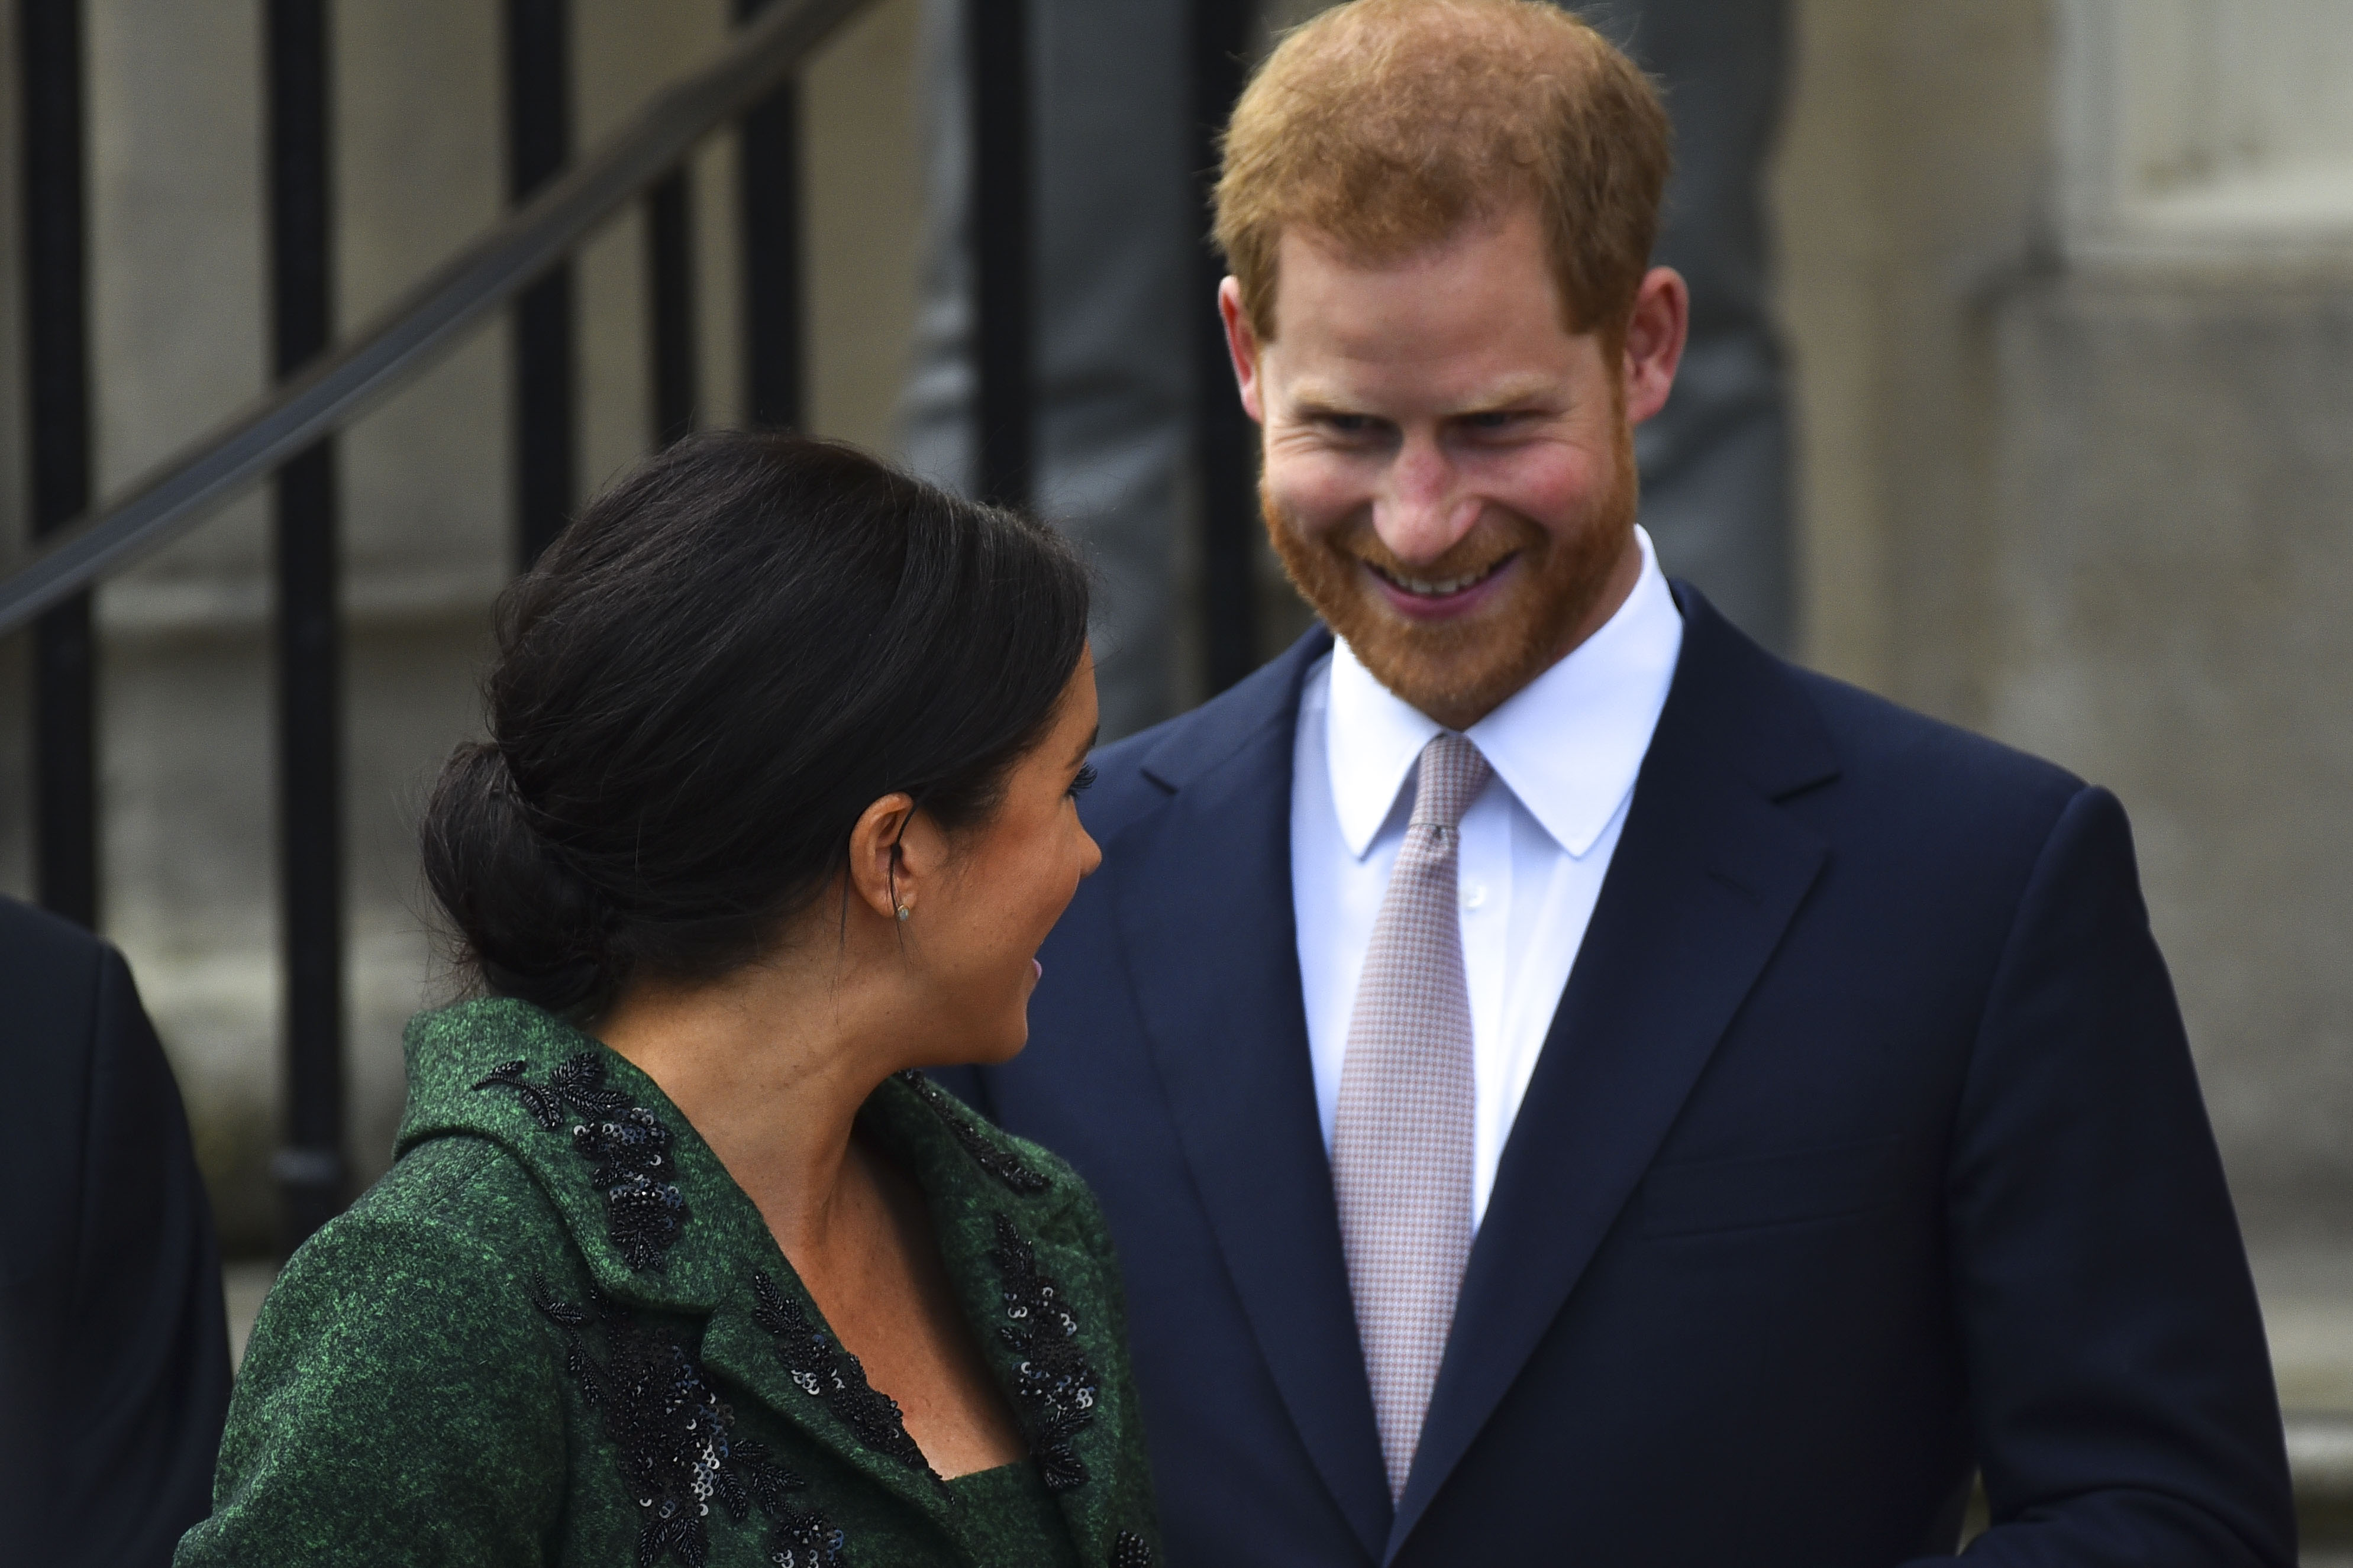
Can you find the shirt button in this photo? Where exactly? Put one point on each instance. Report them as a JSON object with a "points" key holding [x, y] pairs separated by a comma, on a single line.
{"points": [[1473, 894]]}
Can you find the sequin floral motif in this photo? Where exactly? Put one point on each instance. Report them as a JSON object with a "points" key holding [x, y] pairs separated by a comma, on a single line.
{"points": [[804, 1541], [998, 1162], [824, 1371], [1130, 1550], [1053, 1383], [626, 1145], [676, 1437]]}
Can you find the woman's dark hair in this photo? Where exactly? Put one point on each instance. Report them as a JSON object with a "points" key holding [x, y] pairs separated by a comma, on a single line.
{"points": [[707, 679]]}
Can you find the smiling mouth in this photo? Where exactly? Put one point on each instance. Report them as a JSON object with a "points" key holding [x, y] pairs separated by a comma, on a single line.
{"points": [[1440, 587]]}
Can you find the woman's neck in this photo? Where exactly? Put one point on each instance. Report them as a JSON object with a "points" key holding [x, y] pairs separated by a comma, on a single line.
{"points": [[770, 1063]]}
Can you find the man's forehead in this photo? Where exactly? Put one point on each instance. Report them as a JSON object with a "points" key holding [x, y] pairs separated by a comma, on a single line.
{"points": [[1463, 332], [1321, 392], [1402, 247], [1468, 280]]}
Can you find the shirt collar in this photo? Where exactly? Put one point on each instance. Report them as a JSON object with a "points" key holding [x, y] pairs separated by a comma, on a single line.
{"points": [[1568, 744]]}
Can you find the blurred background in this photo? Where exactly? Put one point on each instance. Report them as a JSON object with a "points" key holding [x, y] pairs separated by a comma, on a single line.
{"points": [[2032, 408]]}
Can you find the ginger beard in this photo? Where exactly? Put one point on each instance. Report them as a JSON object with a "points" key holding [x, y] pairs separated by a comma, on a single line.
{"points": [[1469, 664]]}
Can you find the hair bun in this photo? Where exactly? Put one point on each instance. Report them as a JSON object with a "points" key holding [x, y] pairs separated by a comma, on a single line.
{"points": [[709, 676], [533, 926]]}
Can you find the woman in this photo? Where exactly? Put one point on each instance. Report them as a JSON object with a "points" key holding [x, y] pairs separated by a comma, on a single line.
{"points": [[681, 1257]]}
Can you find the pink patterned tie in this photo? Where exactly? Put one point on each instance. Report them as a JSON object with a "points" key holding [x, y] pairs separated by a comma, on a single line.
{"points": [[1401, 1149]]}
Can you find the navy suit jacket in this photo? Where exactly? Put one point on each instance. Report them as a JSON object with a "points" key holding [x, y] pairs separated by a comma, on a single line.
{"points": [[1864, 1151], [114, 1371]]}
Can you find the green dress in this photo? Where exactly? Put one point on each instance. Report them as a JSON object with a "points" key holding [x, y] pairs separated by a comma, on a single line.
{"points": [[558, 1333]]}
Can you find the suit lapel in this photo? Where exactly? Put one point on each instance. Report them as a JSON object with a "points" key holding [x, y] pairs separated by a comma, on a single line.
{"points": [[1705, 879], [1204, 905]]}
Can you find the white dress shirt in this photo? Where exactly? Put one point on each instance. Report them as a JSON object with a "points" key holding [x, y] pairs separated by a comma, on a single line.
{"points": [[1534, 845]]}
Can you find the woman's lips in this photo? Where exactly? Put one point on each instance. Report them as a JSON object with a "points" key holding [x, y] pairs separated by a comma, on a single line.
{"points": [[1411, 597], [1039, 967]]}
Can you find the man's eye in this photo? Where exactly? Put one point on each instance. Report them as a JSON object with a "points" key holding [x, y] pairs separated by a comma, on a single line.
{"points": [[1084, 782]]}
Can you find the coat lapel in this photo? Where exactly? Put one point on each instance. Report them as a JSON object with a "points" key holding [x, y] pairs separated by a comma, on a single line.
{"points": [[1204, 904], [746, 1342], [458, 1084], [1021, 1283], [1705, 879]]}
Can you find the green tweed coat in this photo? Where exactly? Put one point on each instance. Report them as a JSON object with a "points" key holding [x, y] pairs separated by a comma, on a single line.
{"points": [[558, 1333]]}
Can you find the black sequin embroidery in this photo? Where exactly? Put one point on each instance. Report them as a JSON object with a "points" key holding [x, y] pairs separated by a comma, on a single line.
{"points": [[1053, 1383], [678, 1451], [578, 1083], [804, 1541], [998, 1162], [1129, 1552], [824, 1371], [626, 1145]]}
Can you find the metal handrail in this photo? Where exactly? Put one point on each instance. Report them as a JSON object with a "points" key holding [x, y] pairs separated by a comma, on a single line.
{"points": [[407, 337]]}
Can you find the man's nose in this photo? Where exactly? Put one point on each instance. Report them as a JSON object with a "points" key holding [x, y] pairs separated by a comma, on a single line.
{"points": [[1421, 511]]}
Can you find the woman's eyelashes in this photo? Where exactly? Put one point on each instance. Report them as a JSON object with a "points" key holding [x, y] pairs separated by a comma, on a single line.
{"points": [[1084, 782]]}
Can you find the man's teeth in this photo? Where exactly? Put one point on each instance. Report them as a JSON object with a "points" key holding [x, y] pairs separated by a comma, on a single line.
{"points": [[1440, 586]]}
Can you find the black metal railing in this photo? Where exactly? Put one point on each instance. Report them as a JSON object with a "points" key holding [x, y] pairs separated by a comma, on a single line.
{"points": [[57, 368], [997, 48], [539, 144], [1225, 446], [310, 1167], [324, 383], [768, 160]]}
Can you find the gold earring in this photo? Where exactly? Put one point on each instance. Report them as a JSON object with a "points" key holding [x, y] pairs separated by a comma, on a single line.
{"points": [[904, 911]]}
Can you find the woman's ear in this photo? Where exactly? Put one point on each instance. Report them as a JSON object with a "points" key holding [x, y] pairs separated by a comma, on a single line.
{"points": [[886, 870]]}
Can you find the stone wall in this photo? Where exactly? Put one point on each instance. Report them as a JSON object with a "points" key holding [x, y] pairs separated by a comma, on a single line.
{"points": [[2075, 475]]}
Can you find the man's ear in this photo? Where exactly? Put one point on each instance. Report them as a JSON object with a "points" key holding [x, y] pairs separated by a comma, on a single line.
{"points": [[889, 836], [1242, 346], [1655, 342]]}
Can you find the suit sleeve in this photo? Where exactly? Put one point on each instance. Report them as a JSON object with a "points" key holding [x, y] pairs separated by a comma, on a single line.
{"points": [[149, 1346], [2121, 1390], [394, 1408]]}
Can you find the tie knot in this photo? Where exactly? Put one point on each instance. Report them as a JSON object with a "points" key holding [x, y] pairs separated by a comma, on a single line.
{"points": [[1453, 774]]}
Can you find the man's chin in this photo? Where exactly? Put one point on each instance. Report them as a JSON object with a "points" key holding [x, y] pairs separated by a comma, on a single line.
{"points": [[1458, 656], [1454, 670]]}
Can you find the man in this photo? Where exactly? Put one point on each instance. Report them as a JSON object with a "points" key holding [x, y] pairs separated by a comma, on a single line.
{"points": [[1118, 228], [1566, 1085], [113, 1352]]}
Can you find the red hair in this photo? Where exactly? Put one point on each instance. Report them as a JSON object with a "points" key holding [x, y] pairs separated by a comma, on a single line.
{"points": [[1388, 125]]}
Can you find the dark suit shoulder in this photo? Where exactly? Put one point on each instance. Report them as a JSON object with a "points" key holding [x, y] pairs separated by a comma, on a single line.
{"points": [[28, 934], [48, 971], [1136, 775], [1940, 772], [1123, 792], [114, 1370], [1799, 734]]}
